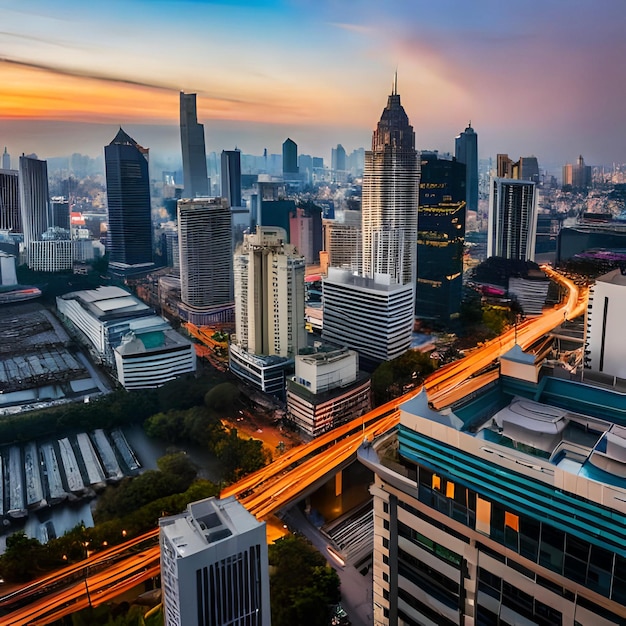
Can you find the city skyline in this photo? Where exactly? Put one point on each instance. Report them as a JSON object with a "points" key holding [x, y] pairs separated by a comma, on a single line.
{"points": [[531, 82]]}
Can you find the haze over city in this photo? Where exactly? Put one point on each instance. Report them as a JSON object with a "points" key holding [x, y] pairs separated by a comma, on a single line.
{"points": [[533, 79]]}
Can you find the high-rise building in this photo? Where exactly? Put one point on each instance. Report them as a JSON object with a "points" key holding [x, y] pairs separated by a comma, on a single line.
{"points": [[128, 197], [390, 197], [33, 186], [214, 566], [269, 309], [342, 241], [231, 177], [370, 315], [512, 219], [193, 148], [10, 214], [529, 169], [606, 313], [205, 248], [440, 238], [577, 176], [6, 160], [338, 158], [508, 507], [60, 212], [466, 151], [290, 157]]}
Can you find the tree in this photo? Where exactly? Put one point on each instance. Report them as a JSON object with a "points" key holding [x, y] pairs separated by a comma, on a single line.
{"points": [[222, 398], [240, 456], [302, 584]]}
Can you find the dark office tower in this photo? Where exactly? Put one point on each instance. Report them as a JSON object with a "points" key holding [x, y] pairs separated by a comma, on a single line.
{"points": [[290, 157], [33, 175], [231, 177], [440, 238], [128, 196], [10, 217], [529, 169], [194, 153], [512, 219], [390, 195], [466, 151], [6, 160], [338, 158], [60, 213]]}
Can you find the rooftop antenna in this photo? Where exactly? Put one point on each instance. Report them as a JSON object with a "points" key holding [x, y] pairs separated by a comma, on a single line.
{"points": [[395, 83]]}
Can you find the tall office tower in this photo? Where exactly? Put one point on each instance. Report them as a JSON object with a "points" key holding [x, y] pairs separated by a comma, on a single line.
{"points": [[290, 157], [128, 197], [214, 566], [271, 208], [512, 223], [466, 151], [369, 315], [505, 167], [231, 176], [269, 294], [194, 152], [10, 215], [269, 309], [338, 160], [529, 169], [33, 192], [440, 238], [205, 248], [390, 196], [6, 160]]}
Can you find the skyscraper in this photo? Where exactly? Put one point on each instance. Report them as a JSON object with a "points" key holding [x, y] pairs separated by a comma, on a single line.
{"points": [[390, 197], [466, 151], [290, 157], [338, 158], [128, 197], [10, 217], [512, 219], [33, 186], [214, 566], [193, 148], [6, 160], [205, 247], [231, 176], [440, 238]]}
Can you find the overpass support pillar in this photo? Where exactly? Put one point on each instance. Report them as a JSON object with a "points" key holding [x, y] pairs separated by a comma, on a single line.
{"points": [[338, 483]]}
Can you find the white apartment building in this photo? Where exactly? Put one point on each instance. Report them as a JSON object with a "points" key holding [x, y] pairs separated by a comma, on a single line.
{"points": [[214, 567]]}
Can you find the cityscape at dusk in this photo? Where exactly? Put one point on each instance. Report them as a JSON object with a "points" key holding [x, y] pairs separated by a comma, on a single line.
{"points": [[543, 80], [311, 313]]}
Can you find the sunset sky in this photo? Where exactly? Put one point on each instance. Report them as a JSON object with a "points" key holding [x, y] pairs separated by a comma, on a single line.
{"points": [[544, 78]]}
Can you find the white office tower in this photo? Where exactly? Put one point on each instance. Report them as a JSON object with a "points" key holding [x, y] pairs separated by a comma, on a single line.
{"points": [[33, 193], [205, 249], [390, 197], [512, 219], [269, 309], [606, 343], [373, 316], [214, 568]]}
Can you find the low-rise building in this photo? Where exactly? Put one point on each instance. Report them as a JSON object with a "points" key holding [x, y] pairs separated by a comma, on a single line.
{"points": [[327, 390]]}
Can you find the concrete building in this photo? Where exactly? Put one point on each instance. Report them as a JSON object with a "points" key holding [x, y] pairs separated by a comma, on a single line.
{"points": [[606, 345], [214, 566], [129, 236], [512, 223], [370, 315], [10, 215], [34, 198], [125, 334], [269, 301], [466, 151], [577, 176], [343, 241], [55, 255], [509, 507], [193, 149], [390, 197], [205, 248], [327, 390]]}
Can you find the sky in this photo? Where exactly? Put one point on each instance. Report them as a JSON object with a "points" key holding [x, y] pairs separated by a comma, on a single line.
{"points": [[535, 78]]}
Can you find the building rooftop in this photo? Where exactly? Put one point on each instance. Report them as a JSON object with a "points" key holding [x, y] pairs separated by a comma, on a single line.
{"points": [[205, 523], [135, 343], [380, 283], [105, 303], [615, 277]]}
